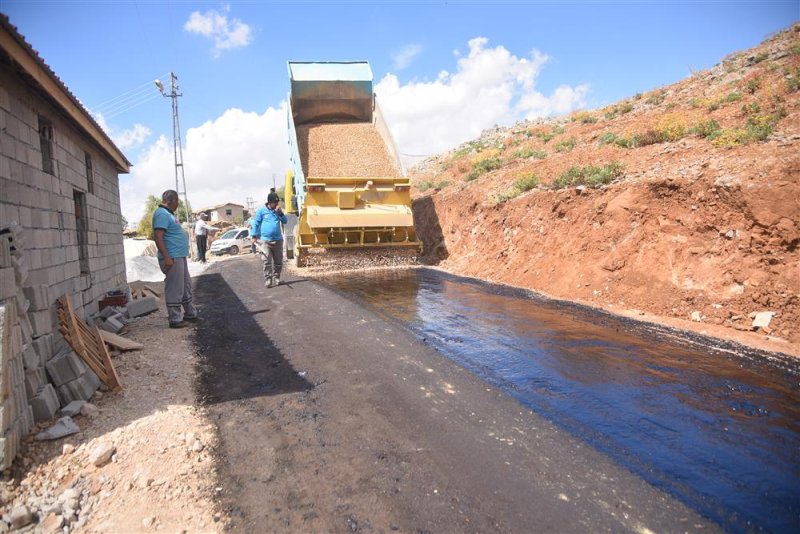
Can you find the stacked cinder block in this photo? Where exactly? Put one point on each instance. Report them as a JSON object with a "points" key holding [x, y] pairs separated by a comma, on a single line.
{"points": [[31, 350], [16, 415]]}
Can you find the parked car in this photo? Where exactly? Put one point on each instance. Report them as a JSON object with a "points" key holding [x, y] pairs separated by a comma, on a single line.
{"points": [[231, 242]]}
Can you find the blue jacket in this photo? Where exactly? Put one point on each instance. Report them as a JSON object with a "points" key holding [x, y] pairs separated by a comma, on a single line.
{"points": [[267, 225]]}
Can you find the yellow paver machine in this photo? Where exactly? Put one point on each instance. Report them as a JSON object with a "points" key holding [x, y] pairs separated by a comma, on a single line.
{"points": [[346, 192]]}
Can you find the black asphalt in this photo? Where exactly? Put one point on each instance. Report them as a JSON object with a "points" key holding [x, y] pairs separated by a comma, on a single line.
{"points": [[332, 419]]}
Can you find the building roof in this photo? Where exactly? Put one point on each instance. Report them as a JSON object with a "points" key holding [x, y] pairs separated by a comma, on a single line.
{"points": [[218, 206], [39, 75]]}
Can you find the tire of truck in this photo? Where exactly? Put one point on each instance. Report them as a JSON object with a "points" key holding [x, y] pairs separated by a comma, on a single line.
{"points": [[234, 250]]}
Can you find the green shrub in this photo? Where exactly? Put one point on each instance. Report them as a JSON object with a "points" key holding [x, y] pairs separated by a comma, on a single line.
{"points": [[584, 117], [796, 49], [657, 98], [650, 137], [523, 184], [751, 109], [760, 57], [588, 175], [793, 81], [753, 85], [637, 96], [482, 167], [708, 129], [566, 145], [608, 138], [558, 130], [757, 128], [430, 184], [732, 97], [526, 153]]}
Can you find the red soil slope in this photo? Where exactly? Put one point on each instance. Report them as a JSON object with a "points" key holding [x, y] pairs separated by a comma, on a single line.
{"points": [[682, 220]]}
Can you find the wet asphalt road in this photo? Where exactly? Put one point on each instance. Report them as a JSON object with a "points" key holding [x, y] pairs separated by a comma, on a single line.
{"points": [[333, 419]]}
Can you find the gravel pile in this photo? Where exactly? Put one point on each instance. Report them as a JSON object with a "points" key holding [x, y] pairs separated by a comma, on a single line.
{"points": [[325, 261], [344, 149]]}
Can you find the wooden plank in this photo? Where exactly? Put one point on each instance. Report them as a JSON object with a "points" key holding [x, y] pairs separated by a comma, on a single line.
{"points": [[113, 380], [120, 342], [88, 343], [153, 291]]}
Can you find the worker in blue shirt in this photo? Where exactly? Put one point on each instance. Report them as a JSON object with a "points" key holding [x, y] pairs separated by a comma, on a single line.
{"points": [[172, 243], [266, 232]]}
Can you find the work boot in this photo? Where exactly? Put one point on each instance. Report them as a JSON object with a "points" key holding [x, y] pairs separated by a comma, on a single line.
{"points": [[269, 282], [179, 324], [276, 281]]}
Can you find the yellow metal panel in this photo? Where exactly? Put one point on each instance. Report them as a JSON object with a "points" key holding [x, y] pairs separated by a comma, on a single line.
{"points": [[368, 216], [347, 199]]}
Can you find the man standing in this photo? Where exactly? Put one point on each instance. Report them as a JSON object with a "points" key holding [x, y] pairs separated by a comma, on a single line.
{"points": [[267, 227], [201, 229], [173, 248]]}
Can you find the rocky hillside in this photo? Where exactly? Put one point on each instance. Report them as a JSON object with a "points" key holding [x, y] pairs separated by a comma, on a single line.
{"points": [[681, 204]]}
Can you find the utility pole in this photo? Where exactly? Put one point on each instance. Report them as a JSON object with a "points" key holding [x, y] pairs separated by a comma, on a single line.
{"points": [[176, 139]]}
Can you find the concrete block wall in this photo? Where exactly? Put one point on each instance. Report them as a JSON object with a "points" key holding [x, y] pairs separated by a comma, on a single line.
{"points": [[43, 203], [39, 254]]}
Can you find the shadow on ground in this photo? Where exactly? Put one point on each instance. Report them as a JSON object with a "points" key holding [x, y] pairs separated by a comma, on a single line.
{"points": [[236, 359]]}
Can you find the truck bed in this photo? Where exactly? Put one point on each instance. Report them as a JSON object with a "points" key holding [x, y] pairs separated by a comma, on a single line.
{"points": [[344, 149]]}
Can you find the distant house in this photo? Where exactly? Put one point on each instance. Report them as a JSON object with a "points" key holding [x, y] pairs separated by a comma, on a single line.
{"points": [[60, 231], [224, 212]]}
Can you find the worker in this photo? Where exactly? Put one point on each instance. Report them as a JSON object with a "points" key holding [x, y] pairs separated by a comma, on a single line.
{"points": [[172, 243], [266, 233], [273, 196], [201, 229]]}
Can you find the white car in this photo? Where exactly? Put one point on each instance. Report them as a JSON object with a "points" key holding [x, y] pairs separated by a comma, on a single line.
{"points": [[231, 242]]}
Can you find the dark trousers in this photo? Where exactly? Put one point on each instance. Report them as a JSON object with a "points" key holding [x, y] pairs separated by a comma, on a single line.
{"points": [[272, 256], [202, 242]]}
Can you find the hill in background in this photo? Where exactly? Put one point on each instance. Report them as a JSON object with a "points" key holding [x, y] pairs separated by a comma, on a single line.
{"points": [[682, 203]]}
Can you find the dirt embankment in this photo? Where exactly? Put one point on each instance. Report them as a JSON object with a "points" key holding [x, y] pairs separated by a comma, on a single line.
{"points": [[683, 203]]}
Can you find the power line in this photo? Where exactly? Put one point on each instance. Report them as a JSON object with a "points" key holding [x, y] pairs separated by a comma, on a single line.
{"points": [[138, 88]]}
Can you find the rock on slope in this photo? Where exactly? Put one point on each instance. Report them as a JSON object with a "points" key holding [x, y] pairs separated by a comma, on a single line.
{"points": [[683, 202]]}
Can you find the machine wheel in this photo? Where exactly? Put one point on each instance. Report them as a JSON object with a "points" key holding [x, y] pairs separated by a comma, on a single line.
{"points": [[234, 250]]}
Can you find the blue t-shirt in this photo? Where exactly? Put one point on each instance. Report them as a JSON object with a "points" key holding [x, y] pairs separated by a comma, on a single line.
{"points": [[267, 225], [175, 238]]}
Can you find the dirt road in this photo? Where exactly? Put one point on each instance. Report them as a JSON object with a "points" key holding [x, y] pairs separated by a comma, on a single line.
{"points": [[331, 419]]}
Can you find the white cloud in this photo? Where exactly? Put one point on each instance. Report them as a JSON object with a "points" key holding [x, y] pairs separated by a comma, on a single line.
{"points": [[489, 86], [125, 139], [225, 160], [235, 155], [226, 34], [405, 55]]}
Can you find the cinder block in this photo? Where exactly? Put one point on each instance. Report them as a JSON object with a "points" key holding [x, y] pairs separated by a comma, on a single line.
{"points": [[82, 388], [6, 328], [44, 348], [30, 360], [20, 269], [42, 322], [112, 325], [138, 307], [26, 329], [34, 379], [8, 412], [45, 404], [65, 367], [8, 283], [5, 254], [39, 297], [23, 305]]}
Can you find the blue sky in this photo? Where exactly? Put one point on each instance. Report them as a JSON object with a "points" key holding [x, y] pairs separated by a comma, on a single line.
{"points": [[503, 61]]}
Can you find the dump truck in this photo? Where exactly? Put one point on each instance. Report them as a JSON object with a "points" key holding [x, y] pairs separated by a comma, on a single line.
{"points": [[347, 195]]}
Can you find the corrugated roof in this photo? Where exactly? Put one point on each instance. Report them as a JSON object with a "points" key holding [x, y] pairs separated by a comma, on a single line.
{"points": [[14, 43]]}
